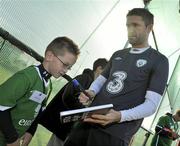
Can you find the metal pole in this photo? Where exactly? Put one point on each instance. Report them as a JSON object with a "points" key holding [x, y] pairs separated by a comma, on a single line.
{"points": [[146, 138], [146, 3], [147, 134], [7, 36]]}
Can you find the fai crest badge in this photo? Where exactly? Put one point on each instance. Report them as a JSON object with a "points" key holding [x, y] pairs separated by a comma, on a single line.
{"points": [[141, 62]]}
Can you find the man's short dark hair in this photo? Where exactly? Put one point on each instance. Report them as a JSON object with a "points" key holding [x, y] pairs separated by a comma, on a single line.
{"points": [[178, 112], [60, 44], [147, 16], [100, 62]]}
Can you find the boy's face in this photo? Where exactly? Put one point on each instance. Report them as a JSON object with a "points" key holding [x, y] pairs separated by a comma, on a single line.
{"points": [[58, 65]]}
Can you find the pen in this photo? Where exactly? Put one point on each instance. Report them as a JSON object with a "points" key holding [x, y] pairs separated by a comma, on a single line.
{"points": [[78, 85]]}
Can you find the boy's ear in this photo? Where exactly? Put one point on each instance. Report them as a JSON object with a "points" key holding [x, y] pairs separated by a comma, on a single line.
{"points": [[49, 55]]}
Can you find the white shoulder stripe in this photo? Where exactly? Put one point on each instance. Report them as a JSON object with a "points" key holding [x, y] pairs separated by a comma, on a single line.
{"points": [[45, 83], [3, 108]]}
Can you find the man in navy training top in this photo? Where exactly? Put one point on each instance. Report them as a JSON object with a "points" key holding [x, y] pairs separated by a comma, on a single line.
{"points": [[133, 81]]}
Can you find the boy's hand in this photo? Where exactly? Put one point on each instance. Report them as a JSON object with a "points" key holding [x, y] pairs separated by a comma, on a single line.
{"points": [[26, 139], [16, 143]]}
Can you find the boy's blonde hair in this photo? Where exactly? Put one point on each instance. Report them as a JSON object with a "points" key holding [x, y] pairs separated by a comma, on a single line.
{"points": [[61, 44]]}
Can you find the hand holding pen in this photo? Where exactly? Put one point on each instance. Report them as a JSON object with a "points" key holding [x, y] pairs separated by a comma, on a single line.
{"points": [[86, 97]]}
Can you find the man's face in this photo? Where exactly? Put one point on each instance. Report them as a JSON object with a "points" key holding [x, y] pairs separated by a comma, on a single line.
{"points": [[178, 118], [100, 70], [60, 64], [137, 31]]}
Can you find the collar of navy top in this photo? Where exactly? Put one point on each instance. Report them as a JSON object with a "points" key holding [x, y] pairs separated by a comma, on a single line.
{"points": [[135, 51], [138, 50], [44, 74]]}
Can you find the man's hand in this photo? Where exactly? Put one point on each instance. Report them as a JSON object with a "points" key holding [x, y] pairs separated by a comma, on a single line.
{"points": [[111, 117], [16, 143], [26, 139], [174, 135], [86, 99]]}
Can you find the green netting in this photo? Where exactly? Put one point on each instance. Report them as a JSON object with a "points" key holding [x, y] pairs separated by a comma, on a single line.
{"points": [[12, 59], [140, 138], [174, 88]]}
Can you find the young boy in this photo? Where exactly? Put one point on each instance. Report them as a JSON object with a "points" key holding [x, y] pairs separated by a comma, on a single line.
{"points": [[166, 130], [23, 95], [65, 99]]}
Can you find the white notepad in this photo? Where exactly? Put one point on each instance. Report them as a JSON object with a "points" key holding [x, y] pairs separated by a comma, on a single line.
{"points": [[79, 114]]}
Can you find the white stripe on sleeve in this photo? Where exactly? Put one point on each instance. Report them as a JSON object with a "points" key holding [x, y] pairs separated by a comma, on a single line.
{"points": [[152, 100], [97, 84]]}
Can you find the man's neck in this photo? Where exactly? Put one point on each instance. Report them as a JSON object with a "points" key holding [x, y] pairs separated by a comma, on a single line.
{"points": [[143, 45], [95, 75], [140, 46], [174, 117]]}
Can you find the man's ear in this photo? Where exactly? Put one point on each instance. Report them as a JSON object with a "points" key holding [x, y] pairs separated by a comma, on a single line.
{"points": [[150, 27]]}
